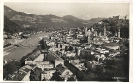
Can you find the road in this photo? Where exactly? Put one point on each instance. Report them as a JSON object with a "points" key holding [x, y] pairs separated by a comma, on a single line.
{"points": [[19, 52]]}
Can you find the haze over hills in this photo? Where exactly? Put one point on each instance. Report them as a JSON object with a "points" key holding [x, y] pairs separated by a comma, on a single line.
{"points": [[46, 21]]}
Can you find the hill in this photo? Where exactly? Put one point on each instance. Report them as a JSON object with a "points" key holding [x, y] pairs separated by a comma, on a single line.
{"points": [[10, 26], [45, 22], [95, 20]]}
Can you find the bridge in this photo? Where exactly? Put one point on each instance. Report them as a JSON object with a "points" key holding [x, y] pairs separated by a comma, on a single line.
{"points": [[29, 45]]}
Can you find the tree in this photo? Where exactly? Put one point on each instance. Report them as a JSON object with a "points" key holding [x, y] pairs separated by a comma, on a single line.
{"points": [[11, 67], [10, 26], [66, 48], [71, 79], [98, 57], [35, 74], [70, 48], [56, 77]]}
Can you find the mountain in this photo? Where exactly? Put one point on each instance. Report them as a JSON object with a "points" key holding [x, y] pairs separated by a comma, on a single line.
{"points": [[10, 26], [72, 18], [95, 20], [45, 22]]}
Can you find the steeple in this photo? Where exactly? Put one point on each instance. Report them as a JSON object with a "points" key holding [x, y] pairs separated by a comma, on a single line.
{"points": [[118, 32], [104, 30], [86, 31], [89, 36], [99, 34]]}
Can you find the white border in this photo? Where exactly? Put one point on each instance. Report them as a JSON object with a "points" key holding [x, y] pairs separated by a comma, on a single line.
{"points": [[66, 1]]}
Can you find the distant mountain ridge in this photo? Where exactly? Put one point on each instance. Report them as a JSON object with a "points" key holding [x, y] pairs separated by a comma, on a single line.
{"points": [[46, 21]]}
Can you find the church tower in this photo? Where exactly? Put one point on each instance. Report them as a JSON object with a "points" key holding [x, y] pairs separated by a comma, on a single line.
{"points": [[104, 31], [118, 32], [89, 36], [86, 31], [99, 34]]}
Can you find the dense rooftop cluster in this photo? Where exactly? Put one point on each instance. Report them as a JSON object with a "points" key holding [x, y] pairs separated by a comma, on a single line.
{"points": [[81, 54]]}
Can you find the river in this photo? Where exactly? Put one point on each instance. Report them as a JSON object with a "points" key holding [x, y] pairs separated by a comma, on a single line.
{"points": [[19, 52]]}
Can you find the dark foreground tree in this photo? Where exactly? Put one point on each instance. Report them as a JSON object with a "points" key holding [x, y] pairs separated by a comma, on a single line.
{"points": [[35, 74], [11, 67]]}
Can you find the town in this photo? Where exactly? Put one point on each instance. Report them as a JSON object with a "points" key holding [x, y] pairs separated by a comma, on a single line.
{"points": [[78, 54]]}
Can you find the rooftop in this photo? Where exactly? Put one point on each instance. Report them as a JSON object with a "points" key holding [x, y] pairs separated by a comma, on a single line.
{"points": [[33, 56], [111, 44], [78, 64], [55, 55], [21, 73], [61, 68]]}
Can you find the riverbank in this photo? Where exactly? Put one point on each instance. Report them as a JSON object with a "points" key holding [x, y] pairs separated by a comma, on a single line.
{"points": [[19, 52]]}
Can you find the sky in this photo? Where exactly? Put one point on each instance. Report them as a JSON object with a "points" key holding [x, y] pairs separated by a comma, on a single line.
{"points": [[81, 10]]}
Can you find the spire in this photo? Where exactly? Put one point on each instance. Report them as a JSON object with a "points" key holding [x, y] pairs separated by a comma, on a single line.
{"points": [[104, 30], [118, 32], [86, 31], [100, 34]]}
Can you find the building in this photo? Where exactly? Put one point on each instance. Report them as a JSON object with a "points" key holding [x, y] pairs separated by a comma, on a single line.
{"points": [[97, 41], [40, 58], [94, 66], [34, 57], [79, 70], [79, 36], [64, 71], [69, 39], [119, 32], [89, 37], [70, 54], [113, 46], [52, 56], [86, 29], [116, 17], [47, 74], [57, 62], [41, 64], [22, 74], [78, 64], [104, 31]]}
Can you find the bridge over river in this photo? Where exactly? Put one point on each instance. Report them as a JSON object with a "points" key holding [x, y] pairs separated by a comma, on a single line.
{"points": [[17, 52]]}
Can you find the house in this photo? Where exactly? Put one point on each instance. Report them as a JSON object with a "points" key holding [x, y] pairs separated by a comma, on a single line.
{"points": [[41, 64], [113, 46], [22, 74], [97, 41], [40, 58], [47, 74], [57, 62], [80, 36], [64, 71], [68, 39], [70, 54], [78, 64]]}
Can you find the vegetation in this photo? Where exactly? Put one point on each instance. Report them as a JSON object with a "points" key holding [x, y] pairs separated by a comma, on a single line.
{"points": [[35, 74], [112, 26], [46, 22], [56, 77], [10, 26], [10, 68]]}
